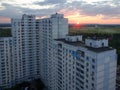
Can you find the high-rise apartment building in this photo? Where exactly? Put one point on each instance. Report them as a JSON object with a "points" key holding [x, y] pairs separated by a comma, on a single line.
{"points": [[26, 48], [6, 62], [42, 48], [50, 28]]}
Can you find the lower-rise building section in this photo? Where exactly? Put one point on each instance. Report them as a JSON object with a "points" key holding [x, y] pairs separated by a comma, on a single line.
{"points": [[81, 66]]}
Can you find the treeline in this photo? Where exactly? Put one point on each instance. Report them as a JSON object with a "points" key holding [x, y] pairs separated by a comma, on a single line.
{"points": [[115, 42], [5, 25], [5, 32]]}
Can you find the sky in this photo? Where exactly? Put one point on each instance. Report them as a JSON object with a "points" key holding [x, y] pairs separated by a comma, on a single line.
{"points": [[77, 11]]}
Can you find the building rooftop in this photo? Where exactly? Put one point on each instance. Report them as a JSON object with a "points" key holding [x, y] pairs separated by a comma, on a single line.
{"points": [[79, 43], [96, 38], [74, 34]]}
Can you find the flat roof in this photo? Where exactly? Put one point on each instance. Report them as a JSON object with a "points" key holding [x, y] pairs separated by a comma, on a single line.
{"points": [[78, 43], [96, 38]]}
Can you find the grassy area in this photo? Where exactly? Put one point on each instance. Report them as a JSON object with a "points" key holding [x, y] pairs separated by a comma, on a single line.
{"points": [[101, 30]]}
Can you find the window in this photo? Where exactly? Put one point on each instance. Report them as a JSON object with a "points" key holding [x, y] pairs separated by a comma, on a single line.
{"points": [[93, 66], [87, 64], [93, 78], [90, 44], [102, 44], [87, 70], [77, 39], [81, 53], [93, 84], [87, 58], [86, 86], [93, 60], [86, 81]]}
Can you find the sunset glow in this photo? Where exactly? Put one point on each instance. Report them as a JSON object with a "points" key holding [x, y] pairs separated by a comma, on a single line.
{"points": [[79, 20], [99, 19], [4, 20], [77, 11]]}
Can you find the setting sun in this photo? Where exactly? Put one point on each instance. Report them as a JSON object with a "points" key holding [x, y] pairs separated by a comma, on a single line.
{"points": [[78, 23]]}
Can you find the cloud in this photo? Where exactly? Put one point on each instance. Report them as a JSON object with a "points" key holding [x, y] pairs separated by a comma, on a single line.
{"points": [[10, 11], [15, 8], [47, 2], [105, 8]]}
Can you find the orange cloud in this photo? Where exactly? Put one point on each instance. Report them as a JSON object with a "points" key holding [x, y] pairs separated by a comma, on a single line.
{"points": [[99, 19], [76, 17]]}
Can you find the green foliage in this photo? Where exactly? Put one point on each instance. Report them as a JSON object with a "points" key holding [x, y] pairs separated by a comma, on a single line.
{"points": [[5, 32], [99, 30], [115, 42]]}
